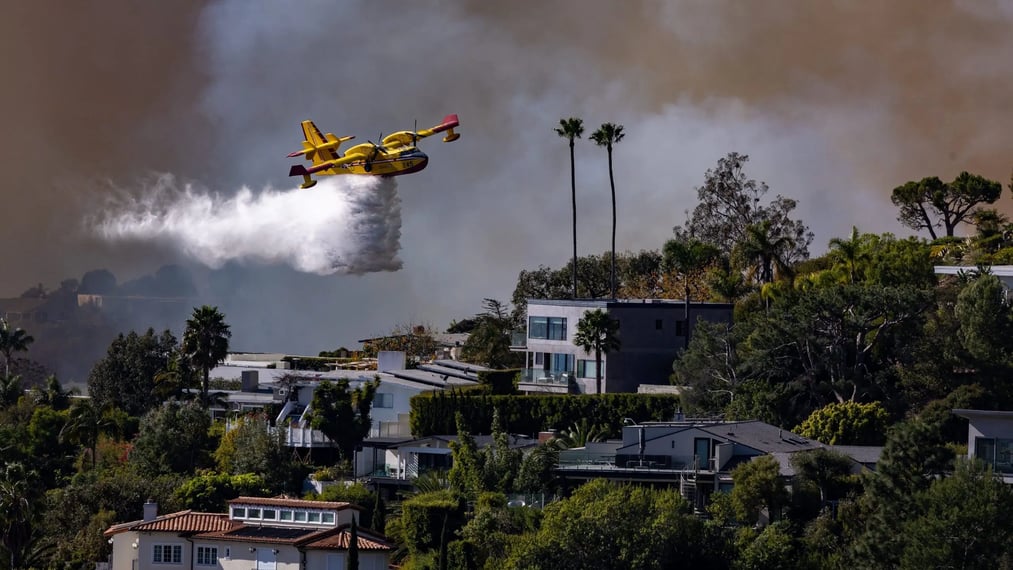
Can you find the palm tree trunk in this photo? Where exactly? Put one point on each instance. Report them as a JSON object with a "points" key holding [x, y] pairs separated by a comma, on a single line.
{"points": [[612, 183], [573, 193], [597, 371]]}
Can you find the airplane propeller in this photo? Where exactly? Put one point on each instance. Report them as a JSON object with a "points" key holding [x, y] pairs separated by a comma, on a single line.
{"points": [[377, 149]]}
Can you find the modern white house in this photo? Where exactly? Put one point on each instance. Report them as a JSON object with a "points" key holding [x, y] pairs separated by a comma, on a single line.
{"points": [[990, 439], [651, 333], [256, 534]]}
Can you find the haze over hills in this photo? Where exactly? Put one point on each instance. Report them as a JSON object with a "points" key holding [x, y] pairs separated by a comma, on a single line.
{"points": [[836, 104]]}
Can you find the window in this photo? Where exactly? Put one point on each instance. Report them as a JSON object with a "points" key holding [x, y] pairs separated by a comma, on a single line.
{"points": [[539, 358], [586, 369], [300, 516], [313, 517], [557, 328], [680, 328], [253, 513], [327, 518], [562, 363], [285, 515], [548, 328], [238, 513], [658, 324], [207, 555], [383, 400], [996, 452], [167, 554], [269, 514]]}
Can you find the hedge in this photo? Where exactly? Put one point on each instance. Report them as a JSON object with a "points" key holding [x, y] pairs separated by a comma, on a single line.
{"points": [[433, 413]]}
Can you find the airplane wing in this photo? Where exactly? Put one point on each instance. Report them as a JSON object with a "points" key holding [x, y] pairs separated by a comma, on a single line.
{"points": [[406, 138]]}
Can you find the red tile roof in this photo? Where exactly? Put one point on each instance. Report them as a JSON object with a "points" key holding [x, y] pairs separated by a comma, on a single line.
{"points": [[181, 522], [291, 503], [340, 540]]}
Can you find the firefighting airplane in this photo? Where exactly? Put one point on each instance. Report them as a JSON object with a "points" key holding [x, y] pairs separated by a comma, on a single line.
{"points": [[396, 154]]}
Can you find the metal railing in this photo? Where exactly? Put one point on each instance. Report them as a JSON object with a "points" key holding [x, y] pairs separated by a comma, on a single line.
{"points": [[542, 376]]}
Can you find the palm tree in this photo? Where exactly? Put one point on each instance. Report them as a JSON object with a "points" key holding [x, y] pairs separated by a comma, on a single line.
{"points": [[206, 342], [85, 425], [53, 394], [596, 332], [850, 251], [10, 390], [764, 251], [571, 129], [11, 341], [689, 258], [607, 135]]}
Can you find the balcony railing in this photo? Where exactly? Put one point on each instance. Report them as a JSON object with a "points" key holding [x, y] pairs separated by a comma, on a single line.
{"points": [[542, 376]]}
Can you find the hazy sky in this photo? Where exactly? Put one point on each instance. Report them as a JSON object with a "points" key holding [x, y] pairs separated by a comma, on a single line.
{"points": [[835, 102]]}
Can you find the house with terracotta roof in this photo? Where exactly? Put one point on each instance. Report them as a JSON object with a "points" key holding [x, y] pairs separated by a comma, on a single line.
{"points": [[256, 533]]}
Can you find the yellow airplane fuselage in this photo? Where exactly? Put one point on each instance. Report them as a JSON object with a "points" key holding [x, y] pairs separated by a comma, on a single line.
{"points": [[395, 162]]}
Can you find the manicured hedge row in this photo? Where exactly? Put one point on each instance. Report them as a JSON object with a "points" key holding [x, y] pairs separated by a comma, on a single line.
{"points": [[433, 413]]}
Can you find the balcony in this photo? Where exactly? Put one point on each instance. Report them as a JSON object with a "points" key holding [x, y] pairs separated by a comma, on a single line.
{"points": [[541, 380]]}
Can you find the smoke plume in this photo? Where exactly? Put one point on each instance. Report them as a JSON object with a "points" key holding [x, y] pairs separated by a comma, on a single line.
{"points": [[347, 224]]}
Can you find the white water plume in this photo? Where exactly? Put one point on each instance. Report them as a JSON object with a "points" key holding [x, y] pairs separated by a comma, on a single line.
{"points": [[345, 224]]}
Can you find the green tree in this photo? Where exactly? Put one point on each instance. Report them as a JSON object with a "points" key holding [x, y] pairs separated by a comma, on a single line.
{"points": [[500, 463], [466, 469], [11, 390], [571, 129], [758, 486], [125, 377], [353, 545], [614, 526], [828, 471], [343, 414], [986, 320], [763, 252], [85, 425], [489, 341], [537, 471], [689, 258], [729, 202], [53, 394], [709, 368], [252, 447], [931, 203], [210, 492], [173, 439], [963, 521], [206, 342], [12, 341], [847, 423], [608, 135], [775, 547], [597, 333], [18, 497], [851, 252]]}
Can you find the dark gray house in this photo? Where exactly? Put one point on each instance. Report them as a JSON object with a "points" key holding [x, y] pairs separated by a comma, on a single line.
{"points": [[651, 333]]}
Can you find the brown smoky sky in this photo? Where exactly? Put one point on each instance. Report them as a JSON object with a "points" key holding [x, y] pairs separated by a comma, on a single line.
{"points": [[836, 103]]}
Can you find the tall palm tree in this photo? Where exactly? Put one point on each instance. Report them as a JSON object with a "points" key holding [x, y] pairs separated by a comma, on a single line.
{"points": [[206, 342], [571, 129], [596, 332], [607, 135], [11, 341]]}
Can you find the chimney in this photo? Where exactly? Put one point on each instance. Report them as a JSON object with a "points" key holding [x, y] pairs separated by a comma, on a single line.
{"points": [[150, 510], [250, 381], [544, 436]]}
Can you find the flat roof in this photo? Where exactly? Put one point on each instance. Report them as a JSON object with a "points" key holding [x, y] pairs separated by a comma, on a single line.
{"points": [[975, 414]]}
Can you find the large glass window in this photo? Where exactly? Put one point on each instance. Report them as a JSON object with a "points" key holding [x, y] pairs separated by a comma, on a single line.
{"points": [[562, 362], [167, 554], [996, 452], [586, 369], [548, 328], [207, 555]]}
